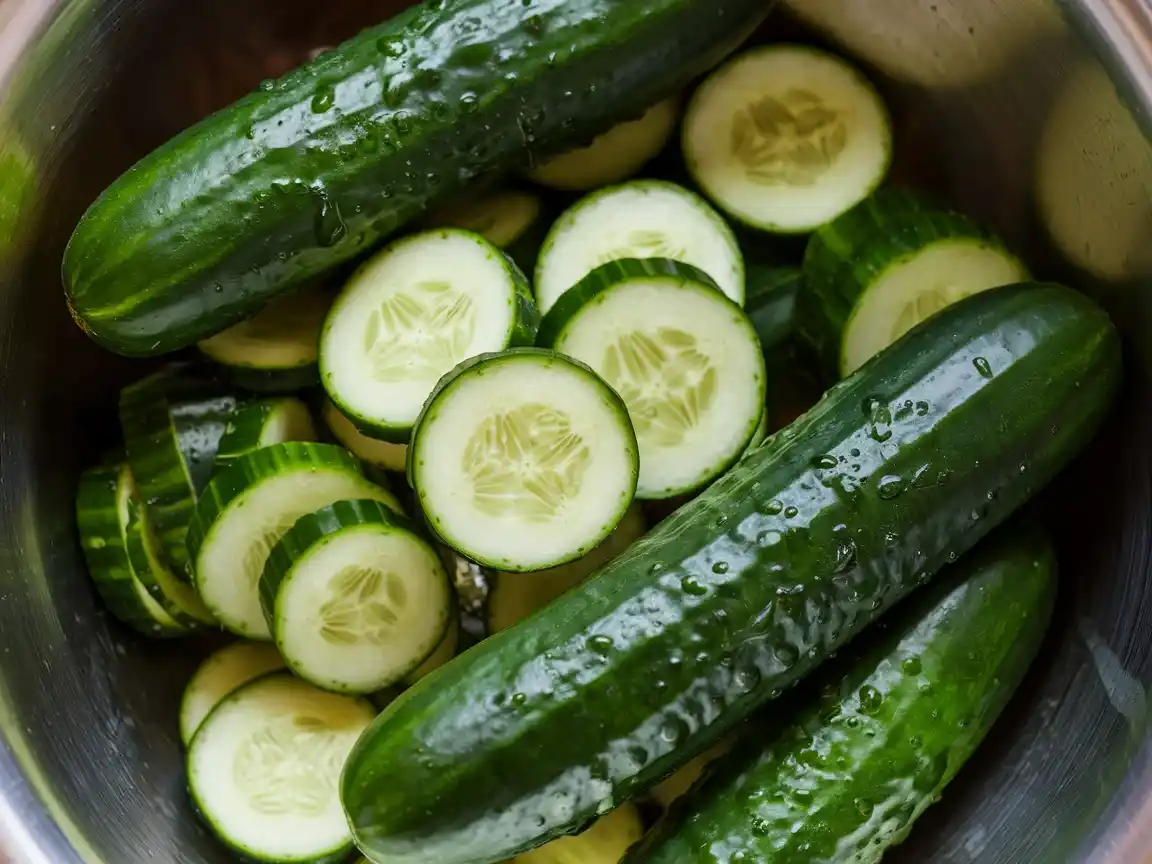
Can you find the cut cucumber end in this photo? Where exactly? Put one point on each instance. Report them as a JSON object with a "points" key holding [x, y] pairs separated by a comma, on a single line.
{"points": [[642, 219], [786, 138], [501, 217], [411, 314], [284, 336], [220, 675], [382, 454], [524, 460]]}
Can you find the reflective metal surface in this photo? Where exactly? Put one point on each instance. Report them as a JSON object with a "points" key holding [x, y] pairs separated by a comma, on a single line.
{"points": [[1027, 113]]}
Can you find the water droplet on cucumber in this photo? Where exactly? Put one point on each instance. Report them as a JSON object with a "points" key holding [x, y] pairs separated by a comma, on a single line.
{"points": [[890, 486], [983, 367], [870, 699], [600, 644], [323, 99], [691, 587]]}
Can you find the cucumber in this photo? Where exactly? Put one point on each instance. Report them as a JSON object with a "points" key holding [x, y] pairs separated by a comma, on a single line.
{"points": [[172, 426], [263, 422], [355, 598], [641, 219], [613, 157], [883, 267], [224, 672], [409, 315], [604, 842], [249, 506], [103, 501], [513, 596], [674, 787], [382, 454], [771, 302], [316, 168], [445, 651], [265, 766], [684, 358], [501, 217], [523, 460], [785, 138], [844, 778], [742, 591]]}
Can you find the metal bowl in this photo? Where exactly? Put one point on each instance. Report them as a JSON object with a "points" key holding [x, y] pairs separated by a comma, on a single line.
{"points": [[1025, 113]]}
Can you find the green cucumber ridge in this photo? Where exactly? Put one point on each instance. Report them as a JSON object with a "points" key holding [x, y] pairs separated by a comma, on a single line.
{"points": [[770, 302], [245, 429]]}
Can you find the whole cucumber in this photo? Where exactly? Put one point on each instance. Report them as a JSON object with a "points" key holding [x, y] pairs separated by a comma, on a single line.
{"points": [[900, 469], [844, 778], [315, 168]]}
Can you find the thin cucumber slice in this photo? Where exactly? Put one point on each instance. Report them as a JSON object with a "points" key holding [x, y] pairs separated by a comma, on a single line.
{"points": [[382, 454], [614, 156], [685, 359], [759, 436], [500, 217], [642, 219], [178, 598], [172, 427], [786, 138], [409, 315], [771, 302], [355, 598], [263, 422], [515, 596], [224, 672], [277, 348], [102, 512], [264, 770], [603, 842], [523, 460], [676, 785], [445, 651], [885, 266], [249, 506]]}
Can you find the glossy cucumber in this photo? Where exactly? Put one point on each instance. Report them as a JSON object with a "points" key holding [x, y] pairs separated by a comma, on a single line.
{"points": [[844, 778], [770, 302], [315, 168], [743, 591], [263, 422]]}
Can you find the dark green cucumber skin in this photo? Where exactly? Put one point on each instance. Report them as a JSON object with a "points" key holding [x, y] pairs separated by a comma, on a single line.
{"points": [[895, 723], [743, 591], [246, 427], [313, 169], [172, 428], [274, 380], [770, 302], [846, 256]]}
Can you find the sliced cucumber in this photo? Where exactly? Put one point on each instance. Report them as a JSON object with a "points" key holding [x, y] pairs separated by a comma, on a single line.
{"points": [[614, 156], [382, 454], [500, 217], [355, 598], [172, 427], [444, 652], [685, 359], [276, 349], [771, 302], [249, 506], [221, 674], [643, 219], [759, 436], [675, 785], [523, 460], [264, 769], [422, 305], [885, 266], [263, 422], [514, 596], [786, 138], [102, 513], [603, 842]]}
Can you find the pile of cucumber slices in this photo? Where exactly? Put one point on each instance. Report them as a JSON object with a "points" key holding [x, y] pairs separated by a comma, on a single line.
{"points": [[465, 444]]}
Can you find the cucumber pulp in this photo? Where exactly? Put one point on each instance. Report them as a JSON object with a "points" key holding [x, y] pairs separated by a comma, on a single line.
{"points": [[786, 138], [220, 675], [641, 219], [411, 314], [523, 460], [603, 842]]}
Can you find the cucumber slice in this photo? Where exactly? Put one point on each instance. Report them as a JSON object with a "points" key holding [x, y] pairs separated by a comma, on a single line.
{"points": [[614, 156], [517, 595], [759, 436], [224, 672], [523, 460], [276, 349], [771, 302], [356, 599], [885, 266], [102, 511], [382, 454], [603, 842], [684, 357], [249, 506], [172, 427], [444, 652], [786, 138], [677, 784], [264, 770], [642, 219], [501, 217], [261, 423], [409, 315]]}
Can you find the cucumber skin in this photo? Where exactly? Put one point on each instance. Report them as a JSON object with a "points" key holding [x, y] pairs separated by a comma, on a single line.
{"points": [[738, 567], [770, 302], [245, 430], [180, 246], [945, 667]]}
